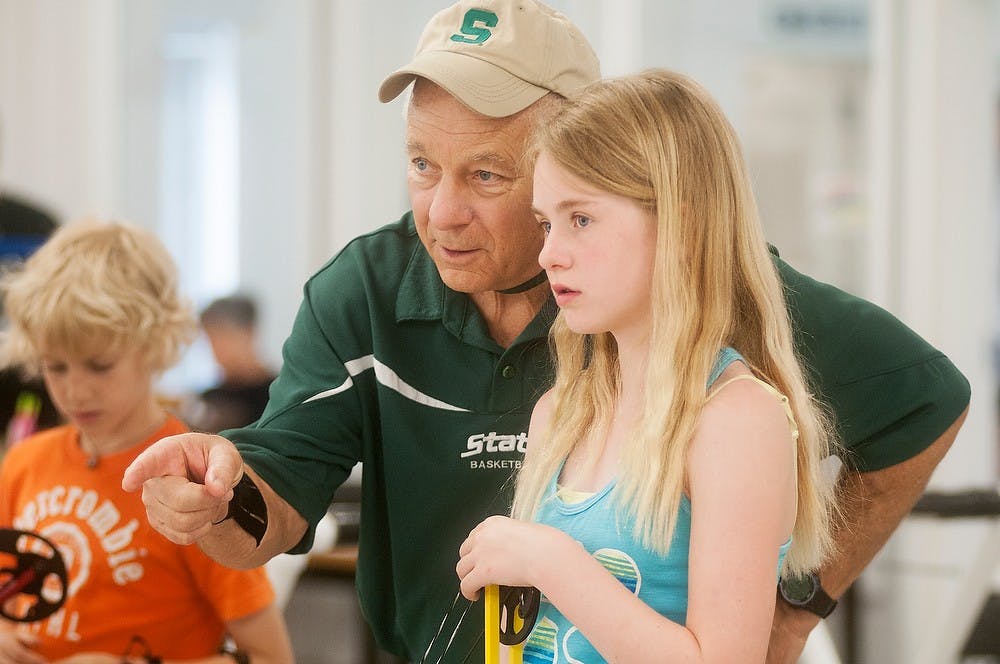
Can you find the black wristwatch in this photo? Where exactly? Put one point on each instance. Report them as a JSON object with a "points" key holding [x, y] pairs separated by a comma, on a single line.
{"points": [[805, 592]]}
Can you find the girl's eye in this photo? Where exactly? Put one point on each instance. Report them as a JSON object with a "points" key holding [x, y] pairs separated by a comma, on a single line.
{"points": [[546, 226], [582, 221]]}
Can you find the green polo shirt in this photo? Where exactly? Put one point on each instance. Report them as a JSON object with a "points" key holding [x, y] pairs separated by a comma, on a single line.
{"points": [[891, 392], [387, 366]]}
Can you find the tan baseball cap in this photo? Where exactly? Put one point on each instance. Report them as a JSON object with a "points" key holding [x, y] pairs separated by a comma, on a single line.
{"points": [[499, 56]]}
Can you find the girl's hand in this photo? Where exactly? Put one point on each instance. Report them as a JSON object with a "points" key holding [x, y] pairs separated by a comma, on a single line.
{"points": [[503, 551]]}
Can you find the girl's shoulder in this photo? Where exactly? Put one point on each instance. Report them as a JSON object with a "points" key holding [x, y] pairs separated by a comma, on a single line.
{"points": [[741, 407], [737, 383]]}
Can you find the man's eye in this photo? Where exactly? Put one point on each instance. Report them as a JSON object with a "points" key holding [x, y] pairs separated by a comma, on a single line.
{"points": [[420, 164], [487, 176]]}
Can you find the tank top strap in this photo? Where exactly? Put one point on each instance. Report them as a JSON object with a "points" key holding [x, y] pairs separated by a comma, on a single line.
{"points": [[726, 357], [767, 386]]}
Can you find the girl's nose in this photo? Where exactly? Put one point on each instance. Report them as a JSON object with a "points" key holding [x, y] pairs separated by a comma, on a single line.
{"points": [[553, 254]]}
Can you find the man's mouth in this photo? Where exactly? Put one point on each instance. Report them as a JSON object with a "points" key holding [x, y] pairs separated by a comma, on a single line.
{"points": [[455, 253]]}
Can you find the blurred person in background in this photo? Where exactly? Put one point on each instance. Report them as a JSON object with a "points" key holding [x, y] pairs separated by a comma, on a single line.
{"points": [[230, 324]]}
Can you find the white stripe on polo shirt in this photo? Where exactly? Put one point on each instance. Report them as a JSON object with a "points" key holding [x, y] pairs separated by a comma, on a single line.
{"points": [[388, 378]]}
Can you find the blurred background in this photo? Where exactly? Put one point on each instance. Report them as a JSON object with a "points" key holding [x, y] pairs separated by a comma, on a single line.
{"points": [[248, 135]]}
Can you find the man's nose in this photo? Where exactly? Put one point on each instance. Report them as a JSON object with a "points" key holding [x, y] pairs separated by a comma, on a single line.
{"points": [[452, 205]]}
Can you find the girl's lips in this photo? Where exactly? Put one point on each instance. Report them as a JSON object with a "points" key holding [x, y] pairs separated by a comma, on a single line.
{"points": [[563, 294]]}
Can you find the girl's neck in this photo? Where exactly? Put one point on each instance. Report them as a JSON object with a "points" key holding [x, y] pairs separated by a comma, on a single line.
{"points": [[595, 460], [633, 359]]}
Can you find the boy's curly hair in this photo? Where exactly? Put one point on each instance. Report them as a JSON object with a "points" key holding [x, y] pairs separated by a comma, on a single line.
{"points": [[95, 286]]}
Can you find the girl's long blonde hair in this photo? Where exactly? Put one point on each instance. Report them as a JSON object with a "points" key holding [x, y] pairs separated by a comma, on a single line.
{"points": [[659, 139]]}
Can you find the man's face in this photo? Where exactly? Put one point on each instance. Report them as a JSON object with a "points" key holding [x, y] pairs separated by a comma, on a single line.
{"points": [[470, 192]]}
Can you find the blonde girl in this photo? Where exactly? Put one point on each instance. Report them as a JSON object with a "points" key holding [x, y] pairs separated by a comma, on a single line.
{"points": [[673, 470]]}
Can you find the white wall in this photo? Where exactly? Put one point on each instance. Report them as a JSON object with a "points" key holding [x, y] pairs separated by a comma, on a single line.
{"points": [[281, 165], [60, 105]]}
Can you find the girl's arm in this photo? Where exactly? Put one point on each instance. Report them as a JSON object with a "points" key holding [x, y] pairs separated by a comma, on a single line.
{"points": [[742, 478], [742, 490]]}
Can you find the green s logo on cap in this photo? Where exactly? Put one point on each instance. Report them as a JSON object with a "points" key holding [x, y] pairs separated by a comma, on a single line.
{"points": [[476, 26]]}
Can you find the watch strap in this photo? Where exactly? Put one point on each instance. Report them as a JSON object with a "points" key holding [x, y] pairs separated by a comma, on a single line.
{"points": [[248, 509], [820, 603]]}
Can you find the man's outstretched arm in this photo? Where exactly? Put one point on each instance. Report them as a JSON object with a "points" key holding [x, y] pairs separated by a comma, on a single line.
{"points": [[187, 484], [873, 504]]}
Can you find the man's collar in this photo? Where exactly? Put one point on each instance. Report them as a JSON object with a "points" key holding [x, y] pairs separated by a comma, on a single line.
{"points": [[423, 296], [421, 291]]}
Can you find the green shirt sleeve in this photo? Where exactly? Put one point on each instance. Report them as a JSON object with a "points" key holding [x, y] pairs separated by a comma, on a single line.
{"points": [[892, 394], [311, 433]]}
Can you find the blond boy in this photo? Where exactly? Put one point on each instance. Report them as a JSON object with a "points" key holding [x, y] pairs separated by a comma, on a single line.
{"points": [[96, 311]]}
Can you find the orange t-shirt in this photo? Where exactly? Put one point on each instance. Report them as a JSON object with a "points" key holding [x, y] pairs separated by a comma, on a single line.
{"points": [[125, 579]]}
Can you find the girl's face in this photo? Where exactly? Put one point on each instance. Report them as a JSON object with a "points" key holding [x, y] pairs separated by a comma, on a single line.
{"points": [[598, 253], [107, 395]]}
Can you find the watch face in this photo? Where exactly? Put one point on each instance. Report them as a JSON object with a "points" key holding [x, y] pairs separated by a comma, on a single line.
{"points": [[798, 588]]}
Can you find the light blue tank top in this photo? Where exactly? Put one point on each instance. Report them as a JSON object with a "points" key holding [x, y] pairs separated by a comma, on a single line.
{"points": [[659, 581]]}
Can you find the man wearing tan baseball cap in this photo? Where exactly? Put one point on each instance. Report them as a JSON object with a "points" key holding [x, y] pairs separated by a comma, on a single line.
{"points": [[421, 348]]}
